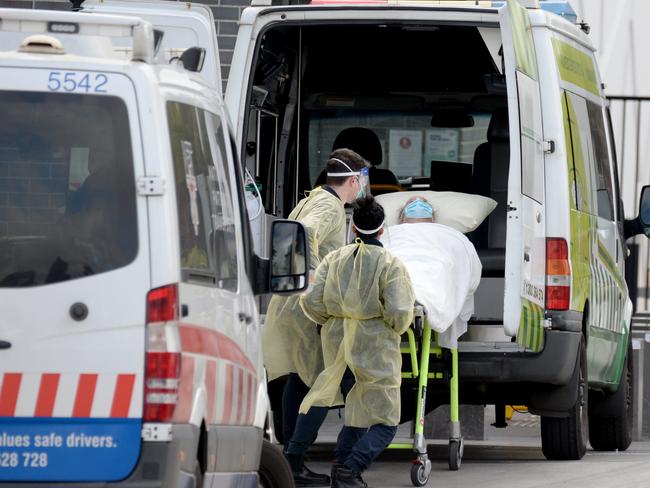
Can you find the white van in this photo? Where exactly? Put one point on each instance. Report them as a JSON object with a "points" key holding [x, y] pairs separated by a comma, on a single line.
{"points": [[501, 99], [129, 333]]}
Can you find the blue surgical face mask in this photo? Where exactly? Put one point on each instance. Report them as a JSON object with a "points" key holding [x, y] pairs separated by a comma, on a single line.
{"points": [[418, 209]]}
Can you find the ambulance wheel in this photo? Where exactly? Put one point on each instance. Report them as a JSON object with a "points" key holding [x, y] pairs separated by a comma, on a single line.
{"points": [[614, 432], [419, 476], [274, 471], [565, 438], [455, 454]]}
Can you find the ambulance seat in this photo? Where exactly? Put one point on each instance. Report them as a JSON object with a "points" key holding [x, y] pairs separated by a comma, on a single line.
{"points": [[490, 178], [365, 142]]}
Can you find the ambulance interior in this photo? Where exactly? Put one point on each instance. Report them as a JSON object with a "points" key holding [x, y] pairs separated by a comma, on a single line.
{"points": [[435, 97]]}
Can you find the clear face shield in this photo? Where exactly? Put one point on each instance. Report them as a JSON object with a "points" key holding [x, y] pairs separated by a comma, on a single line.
{"points": [[362, 177], [364, 183]]}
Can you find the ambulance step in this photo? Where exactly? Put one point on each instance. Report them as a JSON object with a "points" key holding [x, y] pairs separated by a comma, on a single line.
{"points": [[476, 347]]}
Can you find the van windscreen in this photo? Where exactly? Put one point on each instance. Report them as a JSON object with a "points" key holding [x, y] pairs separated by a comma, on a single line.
{"points": [[67, 189]]}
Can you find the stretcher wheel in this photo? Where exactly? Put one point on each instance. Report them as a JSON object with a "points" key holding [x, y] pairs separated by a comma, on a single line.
{"points": [[419, 475], [455, 453]]}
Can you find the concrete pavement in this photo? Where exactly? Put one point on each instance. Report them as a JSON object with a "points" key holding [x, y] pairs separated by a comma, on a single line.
{"points": [[509, 457]]}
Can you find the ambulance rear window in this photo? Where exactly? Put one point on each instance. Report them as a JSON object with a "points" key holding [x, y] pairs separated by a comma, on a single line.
{"points": [[67, 191]]}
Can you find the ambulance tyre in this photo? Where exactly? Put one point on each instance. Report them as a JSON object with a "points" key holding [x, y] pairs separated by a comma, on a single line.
{"points": [[274, 471], [614, 432], [565, 438]]}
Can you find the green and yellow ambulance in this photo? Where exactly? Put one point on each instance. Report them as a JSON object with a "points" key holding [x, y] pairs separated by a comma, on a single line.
{"points": [[501, 99]]}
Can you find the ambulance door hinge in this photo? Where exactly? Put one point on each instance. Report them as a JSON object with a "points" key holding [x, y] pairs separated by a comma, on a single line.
{"points": [[151, 186], [156, 432], [548, 146]]}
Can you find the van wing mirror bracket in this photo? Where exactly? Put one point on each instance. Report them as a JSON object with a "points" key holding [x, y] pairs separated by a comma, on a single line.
{"points": [[261, 285]]}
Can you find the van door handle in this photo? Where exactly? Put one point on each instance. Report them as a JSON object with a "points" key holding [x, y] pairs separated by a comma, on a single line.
{"points": [[245, 318], [526, 257], [5, 345]]}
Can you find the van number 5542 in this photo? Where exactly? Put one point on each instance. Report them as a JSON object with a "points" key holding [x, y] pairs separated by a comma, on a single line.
{"points": [[70, 81]]}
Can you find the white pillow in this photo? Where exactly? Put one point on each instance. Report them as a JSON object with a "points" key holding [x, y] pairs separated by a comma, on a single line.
{"points": [[461, 211]]}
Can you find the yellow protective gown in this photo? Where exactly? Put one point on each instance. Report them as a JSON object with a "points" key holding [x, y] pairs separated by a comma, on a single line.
{"points": [[290, 339], [363, 297]]}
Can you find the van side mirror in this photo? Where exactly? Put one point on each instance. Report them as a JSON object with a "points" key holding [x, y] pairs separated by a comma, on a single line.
{"points": [[641, 224], [193, 58], [289, 257], [644, 207]]}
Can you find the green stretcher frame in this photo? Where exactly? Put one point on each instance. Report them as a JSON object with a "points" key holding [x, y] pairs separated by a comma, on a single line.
{"points": [[420, 370]]}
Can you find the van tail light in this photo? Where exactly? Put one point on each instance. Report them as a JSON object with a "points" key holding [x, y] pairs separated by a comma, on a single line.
{"points": [[558, 274], [163, 358]]}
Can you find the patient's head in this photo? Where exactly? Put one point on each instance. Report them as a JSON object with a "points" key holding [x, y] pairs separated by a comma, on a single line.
{"points": [[417, 209], [368, 218]]}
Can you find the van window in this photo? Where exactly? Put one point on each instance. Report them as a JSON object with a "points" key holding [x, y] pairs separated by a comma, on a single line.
{"points": [[604, 187], [411, 147], [582, 174], [205, 211], [67, 187]]}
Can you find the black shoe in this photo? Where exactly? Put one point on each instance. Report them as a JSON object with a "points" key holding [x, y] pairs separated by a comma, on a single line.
{"points": [[346, 478], [335, 467], [303, 476]]}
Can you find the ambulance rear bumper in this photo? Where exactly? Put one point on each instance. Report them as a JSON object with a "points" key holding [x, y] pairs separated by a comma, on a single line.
{"points": [[554, 365]]}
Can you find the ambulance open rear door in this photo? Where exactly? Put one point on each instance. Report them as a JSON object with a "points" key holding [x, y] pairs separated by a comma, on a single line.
{"points": [[526, 236]]}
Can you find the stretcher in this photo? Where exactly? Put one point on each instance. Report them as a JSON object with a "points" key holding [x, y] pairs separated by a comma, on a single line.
{"points": [[429, 363]]}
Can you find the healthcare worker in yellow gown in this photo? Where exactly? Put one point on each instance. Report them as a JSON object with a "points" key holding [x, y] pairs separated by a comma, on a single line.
{"points": [[362, 295], [291, 341]]}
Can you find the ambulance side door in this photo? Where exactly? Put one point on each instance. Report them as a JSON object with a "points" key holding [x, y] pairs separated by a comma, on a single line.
{"points": [[526, 234]]}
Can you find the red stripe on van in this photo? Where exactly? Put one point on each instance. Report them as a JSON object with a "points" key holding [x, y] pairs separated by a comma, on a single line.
{"points": [[83, 402], [122, 395], [183, 408], [9, 394], [241, 395], [47, 394], [227, 398], [200, 340], [210, 380]]}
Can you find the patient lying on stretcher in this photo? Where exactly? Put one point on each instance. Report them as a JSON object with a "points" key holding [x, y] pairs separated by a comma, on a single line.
{"points": [[444, 268]]}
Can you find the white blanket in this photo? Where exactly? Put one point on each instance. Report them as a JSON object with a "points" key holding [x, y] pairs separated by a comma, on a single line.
{"points": [[445, 271]]}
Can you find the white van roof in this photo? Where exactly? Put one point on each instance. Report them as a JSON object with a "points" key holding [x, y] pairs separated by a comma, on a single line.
{"points": [[184, 24], [14, 22]]}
